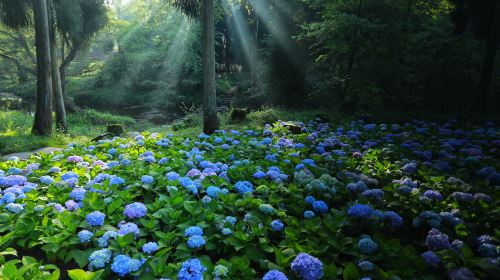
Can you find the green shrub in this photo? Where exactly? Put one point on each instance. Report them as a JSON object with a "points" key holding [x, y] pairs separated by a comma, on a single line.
{"points": [[91, 116], [264, 116]]}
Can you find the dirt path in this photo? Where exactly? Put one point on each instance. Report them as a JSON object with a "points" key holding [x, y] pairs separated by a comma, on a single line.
{"points": [[26, 155]]}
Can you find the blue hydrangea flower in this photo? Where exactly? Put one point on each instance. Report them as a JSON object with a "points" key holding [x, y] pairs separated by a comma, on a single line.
{"points": [[8, 198], [309, 214], [147, 180], [14, 208], [98, 259], [59, 208], [213, 191], [393, 219], [277, 225], [71, 205], [85, 236], [227, 231], [78, 194], [307, 267], [259, 175], [135, 210], [192, 231], [274, 275], [431, 258], [128, 228], [320, 207], [367, 246], [360, 211], [69, 175], [115, 180], [196, 242], [243, 187], [310, 199], [266, 208], [150, 247], [231, 220], [433, 195], [95, 219], [410, 168], [220, 271], [376, 195], [172, 176], [488, 250], [103, 240], [123, 265], [437, 241], [366, 266], [47, 180], [462, 274], [191, 269]]}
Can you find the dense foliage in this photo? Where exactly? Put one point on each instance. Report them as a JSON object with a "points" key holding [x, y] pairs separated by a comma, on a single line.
{"points": [[412, 201]]}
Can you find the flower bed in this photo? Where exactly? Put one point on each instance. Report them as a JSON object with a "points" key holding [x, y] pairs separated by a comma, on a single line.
{"points": [[416, 201]]}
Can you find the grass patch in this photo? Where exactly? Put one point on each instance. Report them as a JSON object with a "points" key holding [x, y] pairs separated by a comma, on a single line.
{"points": [[15, 130]]}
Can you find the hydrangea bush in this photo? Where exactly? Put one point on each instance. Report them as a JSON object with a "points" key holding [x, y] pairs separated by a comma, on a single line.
{"points": [[358, 201]]}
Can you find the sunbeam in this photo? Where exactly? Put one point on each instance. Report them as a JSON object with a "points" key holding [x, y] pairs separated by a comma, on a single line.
{"points": [[247, 41]]}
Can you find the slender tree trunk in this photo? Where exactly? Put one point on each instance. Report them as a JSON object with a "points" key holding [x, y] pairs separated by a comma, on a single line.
{"points": [[43, 114], [210, 121], [56, 77], [482, 103], [254, 54], [352, 55], [70, 106]]}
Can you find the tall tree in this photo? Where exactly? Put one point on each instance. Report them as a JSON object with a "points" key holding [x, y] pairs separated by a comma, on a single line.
{"points": [[77, 21], [482, 18], [210, 121], [56, 76], [42, 124], [192, 8]]}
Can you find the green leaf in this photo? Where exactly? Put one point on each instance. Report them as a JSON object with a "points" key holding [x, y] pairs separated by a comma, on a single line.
{"points": [[190, 206], [55, 275], [461, 230], [124, 241], [9, 251], [80, 257], [78, 274], [9, 270], [350, 272]]}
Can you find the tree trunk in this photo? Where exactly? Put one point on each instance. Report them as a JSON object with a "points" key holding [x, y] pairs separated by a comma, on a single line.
{"points": [[255, 54], [56, 77], [70, 106], [352, 55], [210, 121], [482, 103], [42, 124]]}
